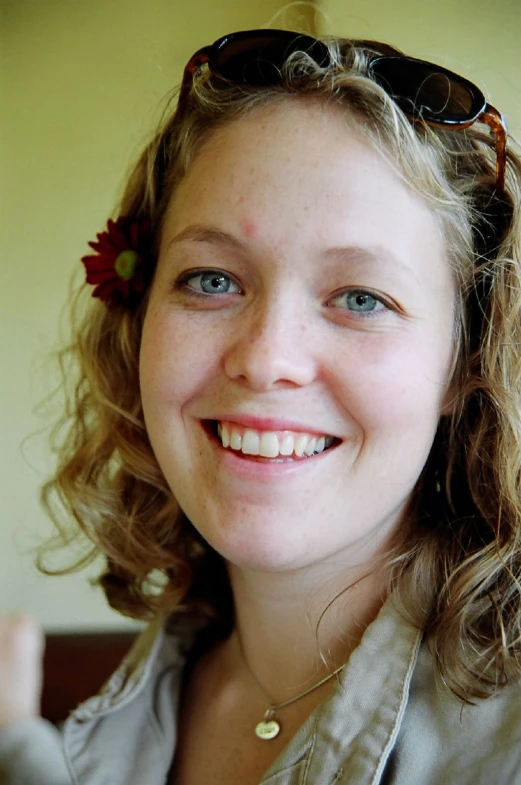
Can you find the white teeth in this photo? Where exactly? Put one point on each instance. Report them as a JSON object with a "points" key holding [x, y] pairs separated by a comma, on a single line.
{"points": [[320, 445], [270, 444], [225, 436], [287, 445], [236, 440], [251, 443], [300, 445], [309, 449]]}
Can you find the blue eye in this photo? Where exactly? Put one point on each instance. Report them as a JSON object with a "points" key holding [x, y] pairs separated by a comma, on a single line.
{"points": [[359, 301], [211, 282]]}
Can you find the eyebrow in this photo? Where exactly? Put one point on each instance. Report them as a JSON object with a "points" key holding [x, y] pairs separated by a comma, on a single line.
{"points": [[370, 255], [348, 254], [207, 234]]}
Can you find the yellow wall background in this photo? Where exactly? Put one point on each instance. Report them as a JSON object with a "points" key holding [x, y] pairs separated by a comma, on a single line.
{"points": [[80, 87], [480, 39]]}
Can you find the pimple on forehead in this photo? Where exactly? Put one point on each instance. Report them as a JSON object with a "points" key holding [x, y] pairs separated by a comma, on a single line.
{"points": [[249, 228]]}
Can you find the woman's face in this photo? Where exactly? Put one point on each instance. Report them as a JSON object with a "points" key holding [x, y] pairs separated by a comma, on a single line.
{"points": [[302, 292]]}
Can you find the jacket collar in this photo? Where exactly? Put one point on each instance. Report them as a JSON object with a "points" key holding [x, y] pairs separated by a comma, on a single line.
{"points": [[126, 735], [351, 736]]}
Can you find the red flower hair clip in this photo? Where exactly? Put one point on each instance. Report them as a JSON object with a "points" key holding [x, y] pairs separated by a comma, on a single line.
{"points": [[118, 269]]}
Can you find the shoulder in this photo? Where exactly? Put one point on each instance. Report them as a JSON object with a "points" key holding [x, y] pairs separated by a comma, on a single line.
{"points": [[31, 753], [457, 742], [126, 733], [162, 646]]}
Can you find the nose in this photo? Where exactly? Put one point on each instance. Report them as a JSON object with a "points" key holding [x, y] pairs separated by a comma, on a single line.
{"points": [[272, 347]]}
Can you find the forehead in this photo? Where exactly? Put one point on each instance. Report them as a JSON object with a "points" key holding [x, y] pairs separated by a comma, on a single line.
{"points": [[302, 174]]}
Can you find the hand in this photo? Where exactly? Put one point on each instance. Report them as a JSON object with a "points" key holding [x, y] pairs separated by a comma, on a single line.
{"points": [[21, 673]]}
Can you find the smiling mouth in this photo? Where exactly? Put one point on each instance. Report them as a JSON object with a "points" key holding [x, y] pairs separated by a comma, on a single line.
{"points": [[281, 445]]}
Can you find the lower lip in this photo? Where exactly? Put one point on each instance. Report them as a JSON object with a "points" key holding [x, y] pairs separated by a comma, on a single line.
{"points": [[267, 468]]}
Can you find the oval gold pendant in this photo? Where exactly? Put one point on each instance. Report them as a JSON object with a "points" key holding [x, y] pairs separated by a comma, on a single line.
{"points": [[267, 730]]}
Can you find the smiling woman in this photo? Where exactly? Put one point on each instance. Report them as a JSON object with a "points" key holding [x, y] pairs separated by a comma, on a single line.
{"points": [[303, 323], [299, 407]]}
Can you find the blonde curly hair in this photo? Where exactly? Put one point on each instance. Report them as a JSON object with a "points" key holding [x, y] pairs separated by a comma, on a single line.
{"points": [[461, 540]]}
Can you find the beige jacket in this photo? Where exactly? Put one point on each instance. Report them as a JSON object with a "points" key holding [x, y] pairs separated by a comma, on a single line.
{"points": [[389, 721]]}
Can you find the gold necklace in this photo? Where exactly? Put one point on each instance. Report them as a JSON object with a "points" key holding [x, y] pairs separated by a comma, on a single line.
{"points": [[269, 727]]}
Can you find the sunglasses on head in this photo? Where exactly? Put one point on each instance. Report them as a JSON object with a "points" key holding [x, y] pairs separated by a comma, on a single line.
{"points": [[423, 91]]}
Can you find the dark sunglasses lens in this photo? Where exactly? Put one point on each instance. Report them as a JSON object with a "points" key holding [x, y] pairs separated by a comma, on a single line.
{"points": [[421, 90], [259, 58]]}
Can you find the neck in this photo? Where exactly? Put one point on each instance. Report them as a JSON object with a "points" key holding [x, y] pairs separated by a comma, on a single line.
{"points": [[293, 630]]}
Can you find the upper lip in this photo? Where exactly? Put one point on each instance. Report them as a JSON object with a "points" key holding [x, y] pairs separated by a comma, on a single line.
{"points": [[271, 424]]}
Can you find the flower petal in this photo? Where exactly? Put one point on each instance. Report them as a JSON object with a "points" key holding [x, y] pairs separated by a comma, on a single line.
{"points": [[117, 282]]}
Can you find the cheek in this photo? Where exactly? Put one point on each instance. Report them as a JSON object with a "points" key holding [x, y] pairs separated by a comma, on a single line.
{"points": [[395, 381], [176, 361], [160, 356]]}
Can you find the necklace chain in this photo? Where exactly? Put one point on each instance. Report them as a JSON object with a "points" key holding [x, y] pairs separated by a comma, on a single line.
{"points": [[269, 727]]}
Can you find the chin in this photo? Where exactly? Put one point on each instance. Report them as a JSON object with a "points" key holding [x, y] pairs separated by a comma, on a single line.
{"points": [[260, 546]]}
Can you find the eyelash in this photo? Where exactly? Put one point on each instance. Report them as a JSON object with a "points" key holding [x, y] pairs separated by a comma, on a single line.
{"points": [[182, 283]]}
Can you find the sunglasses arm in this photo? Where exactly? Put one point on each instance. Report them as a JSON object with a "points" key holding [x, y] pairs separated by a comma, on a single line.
{"points": [[496, 122], [196, 61]]}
